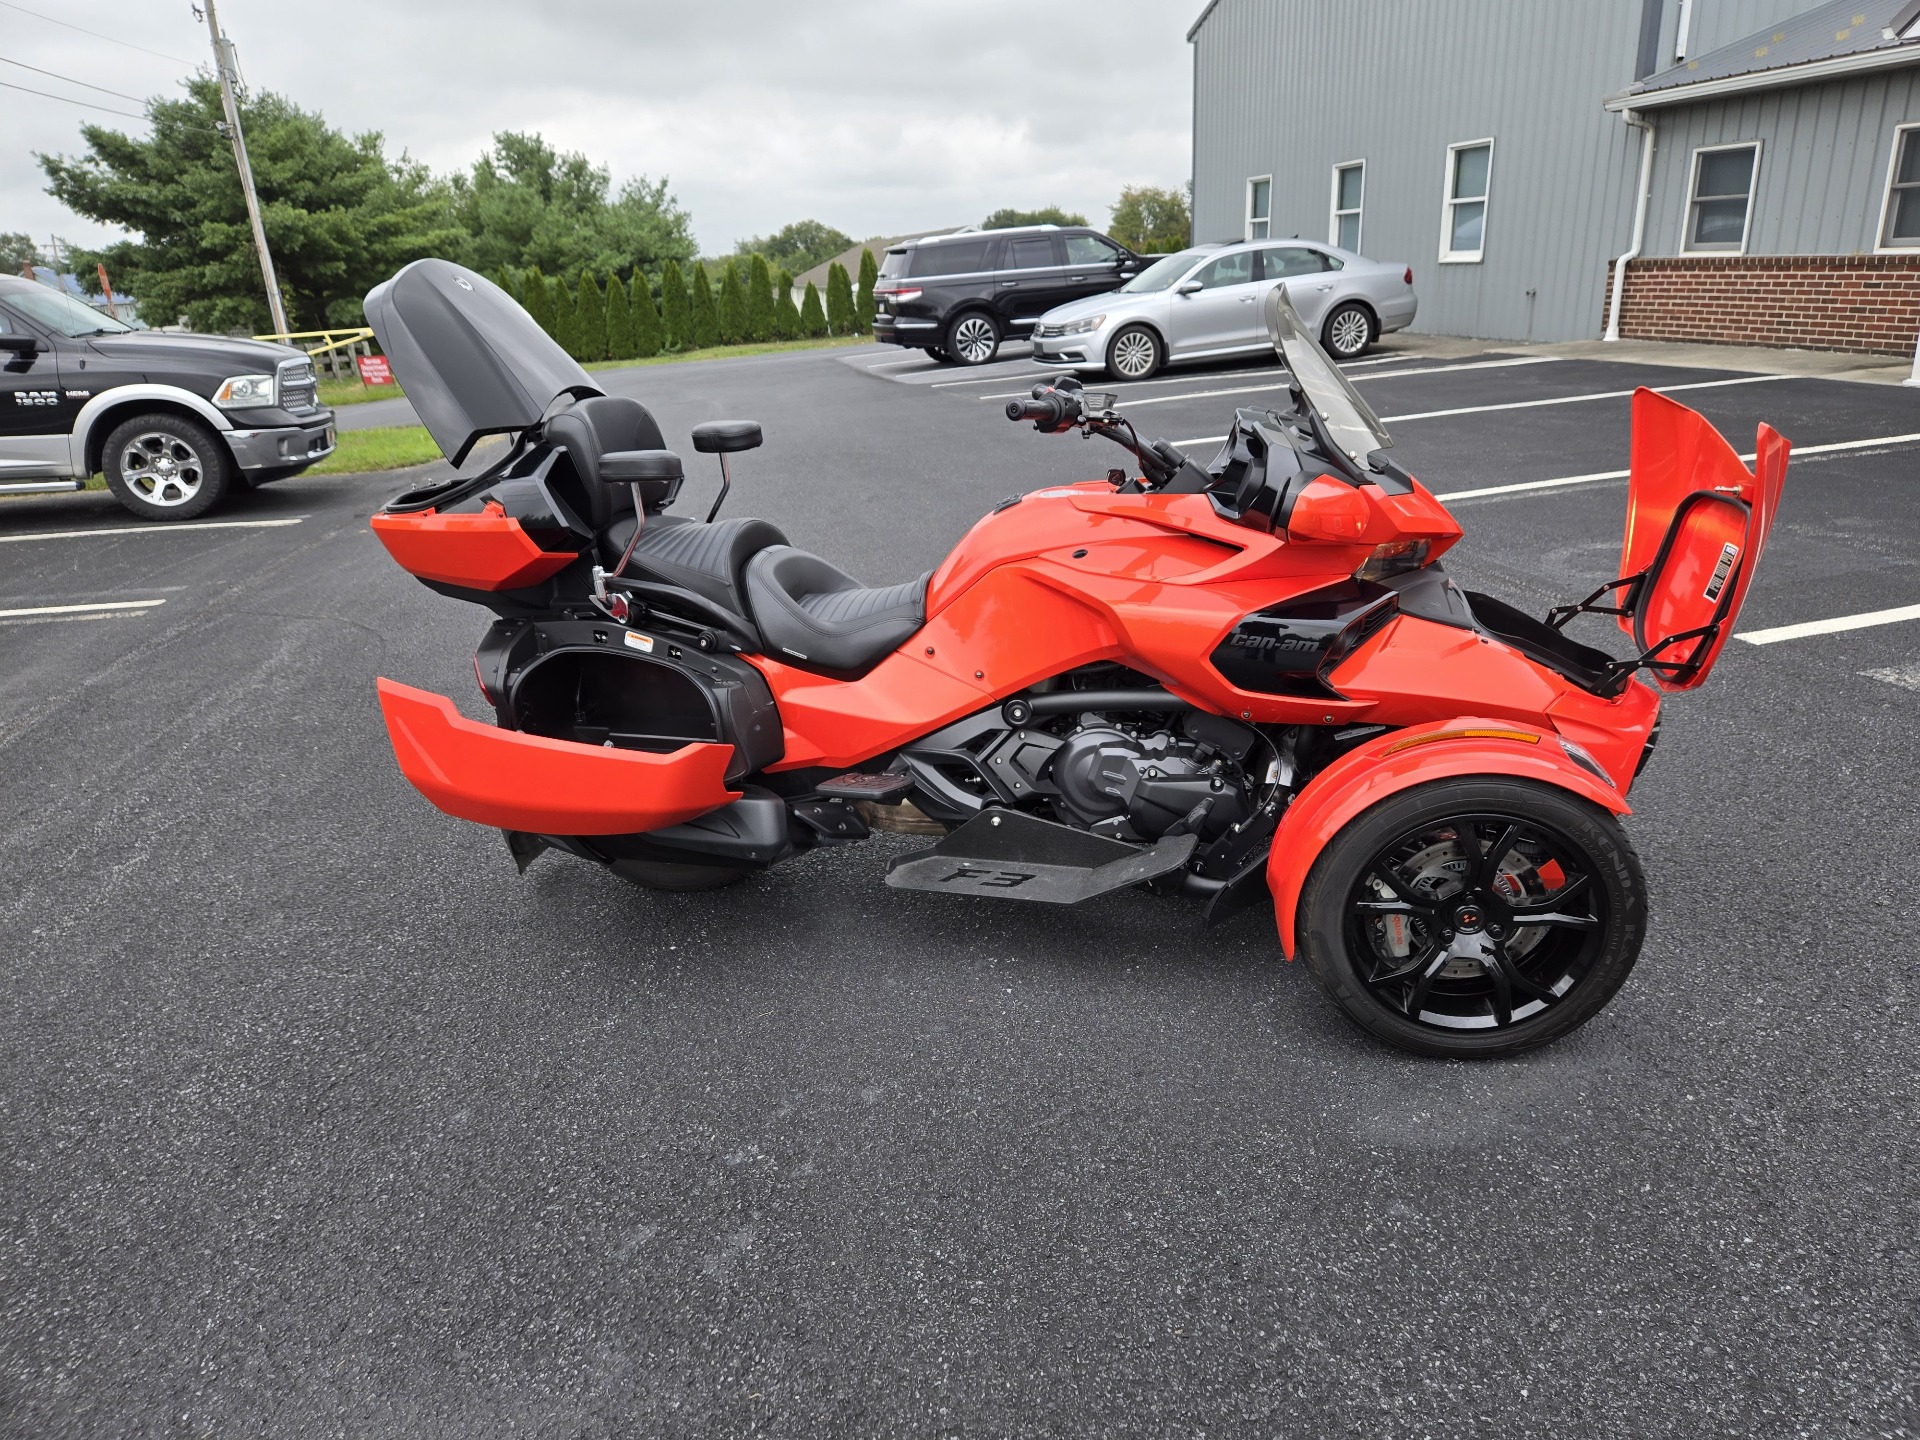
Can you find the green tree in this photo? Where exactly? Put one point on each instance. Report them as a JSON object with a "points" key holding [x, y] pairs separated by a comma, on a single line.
{"points": [[503, 277], [786, 315], [524, 203], [839, 300], [705, 329], [536, 294], [676, 307], [339, 215], [566, 319], [813, 320], [17, 251], [863, 297], [799, 246], [1150, 221], [1050, 215], [649, 335], [759, 300], [590, 319], [733, 306], [619, 321]]}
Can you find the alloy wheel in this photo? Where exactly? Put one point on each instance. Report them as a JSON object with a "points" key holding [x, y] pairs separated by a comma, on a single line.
{"points": [[1134, 354], [974, 340], [1476, 922], [162, 469], [1351, 331]]}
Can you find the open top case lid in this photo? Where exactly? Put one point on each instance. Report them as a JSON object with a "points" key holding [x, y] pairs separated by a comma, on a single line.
{"points": [[472, 361], [1697, 521]]}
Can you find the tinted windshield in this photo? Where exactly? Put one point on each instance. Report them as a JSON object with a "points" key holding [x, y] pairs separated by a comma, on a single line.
{"points": [[62, 314], [1162, 274], [1353, 425]]}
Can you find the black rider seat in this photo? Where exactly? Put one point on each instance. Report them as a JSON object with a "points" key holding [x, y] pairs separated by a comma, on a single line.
{"points": [[710, 560], [821, 616]]}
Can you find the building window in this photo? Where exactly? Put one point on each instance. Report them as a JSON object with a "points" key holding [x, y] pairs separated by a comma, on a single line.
{"points": [[1349, 188], [1900, 214], [1463, 236], [1722, 202], [1259, 206]]}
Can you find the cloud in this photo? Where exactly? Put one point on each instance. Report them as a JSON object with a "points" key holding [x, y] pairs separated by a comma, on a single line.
{"points": [[876, 118]]}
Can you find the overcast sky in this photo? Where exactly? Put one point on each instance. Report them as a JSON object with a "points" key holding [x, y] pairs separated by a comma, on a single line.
{"points": [[878, 118]]}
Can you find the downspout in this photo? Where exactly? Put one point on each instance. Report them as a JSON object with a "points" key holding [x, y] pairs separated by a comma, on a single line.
{"points": [[1639, 221]]}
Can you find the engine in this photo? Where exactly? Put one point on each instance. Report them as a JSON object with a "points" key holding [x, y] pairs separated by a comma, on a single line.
{"points": [[1137, 785]]}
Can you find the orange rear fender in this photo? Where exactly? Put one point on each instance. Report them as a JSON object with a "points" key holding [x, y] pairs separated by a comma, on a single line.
{"points": [[1400, 760]]}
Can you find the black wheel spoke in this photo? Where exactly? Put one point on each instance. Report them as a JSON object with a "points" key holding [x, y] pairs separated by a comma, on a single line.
{"points": [[1502, 992], [1509, 975], [1404, 969], [1417, 996], [1490, 862]]}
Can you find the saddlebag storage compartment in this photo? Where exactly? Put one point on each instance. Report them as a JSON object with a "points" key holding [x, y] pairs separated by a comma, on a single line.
{"points": [[545, 786], [597, 684]]}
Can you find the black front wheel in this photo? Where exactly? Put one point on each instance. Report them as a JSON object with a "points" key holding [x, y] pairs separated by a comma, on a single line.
{"points": [[1474, 918]]}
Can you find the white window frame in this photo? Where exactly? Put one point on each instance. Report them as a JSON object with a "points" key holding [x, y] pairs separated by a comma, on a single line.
{"points": [[1449, 200], [1881, 245], [1359, 213], [1687, 247], [1266, 219]]}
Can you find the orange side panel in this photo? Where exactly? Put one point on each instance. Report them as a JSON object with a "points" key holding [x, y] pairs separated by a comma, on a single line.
{"points": [[484, 551], [1387, 765], [549, 787], [1675, 452]]}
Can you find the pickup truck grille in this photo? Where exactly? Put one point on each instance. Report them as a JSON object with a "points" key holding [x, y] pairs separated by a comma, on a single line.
{"points": [[299, 390]]}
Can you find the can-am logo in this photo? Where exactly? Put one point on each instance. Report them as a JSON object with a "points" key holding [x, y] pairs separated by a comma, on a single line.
{"points": [[1267, 645]]}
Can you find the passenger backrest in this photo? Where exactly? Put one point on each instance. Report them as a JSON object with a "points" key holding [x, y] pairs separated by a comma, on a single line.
{"points": [[601, 425]]}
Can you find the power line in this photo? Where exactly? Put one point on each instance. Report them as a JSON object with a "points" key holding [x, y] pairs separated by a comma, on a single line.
{"points": [[84, 85], [111, 39], [89, 105]]}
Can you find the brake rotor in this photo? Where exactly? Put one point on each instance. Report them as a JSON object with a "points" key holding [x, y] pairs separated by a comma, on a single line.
{"points": [[1439, 872]]}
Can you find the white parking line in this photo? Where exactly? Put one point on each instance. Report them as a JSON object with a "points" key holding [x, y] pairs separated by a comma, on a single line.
{"points": [[1535, 404], [80, 609], [1383, 375], [159, 528], [1829, 627], [1800, 451]]}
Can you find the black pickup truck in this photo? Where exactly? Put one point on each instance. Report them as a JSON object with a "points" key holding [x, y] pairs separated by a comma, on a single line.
{"points": [[175, 422]]}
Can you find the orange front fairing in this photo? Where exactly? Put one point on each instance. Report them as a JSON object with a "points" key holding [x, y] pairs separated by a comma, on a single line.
{"points": [[484, 551], [516, 781]]}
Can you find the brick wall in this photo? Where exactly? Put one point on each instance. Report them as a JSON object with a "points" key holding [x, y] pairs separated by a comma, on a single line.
{"points": [[1864, 303]]}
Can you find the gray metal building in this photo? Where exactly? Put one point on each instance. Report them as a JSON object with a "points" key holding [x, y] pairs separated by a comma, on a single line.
{"points": [[1497, 147]]}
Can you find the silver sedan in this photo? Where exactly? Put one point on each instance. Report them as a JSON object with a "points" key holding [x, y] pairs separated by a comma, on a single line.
{"points": [[1204, 304]]}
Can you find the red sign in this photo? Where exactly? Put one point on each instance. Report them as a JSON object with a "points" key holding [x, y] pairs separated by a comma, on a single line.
{"points": [[374, 370]]}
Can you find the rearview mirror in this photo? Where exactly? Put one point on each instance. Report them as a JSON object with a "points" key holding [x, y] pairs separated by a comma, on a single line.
{"points": [[19, 344], [1190, 287]]}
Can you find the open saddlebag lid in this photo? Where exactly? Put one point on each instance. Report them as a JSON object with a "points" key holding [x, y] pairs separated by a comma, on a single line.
{"points": [[1697, 522], [473, 362]]}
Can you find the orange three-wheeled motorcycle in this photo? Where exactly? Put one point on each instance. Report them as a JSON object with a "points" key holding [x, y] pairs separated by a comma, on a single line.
{"points": [[1239, 681]]}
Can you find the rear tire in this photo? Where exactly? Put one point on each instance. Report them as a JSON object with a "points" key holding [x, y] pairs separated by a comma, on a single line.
{"points": [[671, 875], [938, 355], [1349, 331], [166, 467], [972, 338], [1135, 353], [1423, 939]]}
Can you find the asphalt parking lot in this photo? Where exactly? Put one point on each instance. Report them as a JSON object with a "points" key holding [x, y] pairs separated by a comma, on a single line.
{"points": [[318, 1119]]}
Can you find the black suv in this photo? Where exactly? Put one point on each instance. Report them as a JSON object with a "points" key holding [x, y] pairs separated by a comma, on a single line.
{"points": [[956, 296], [175, 421]]}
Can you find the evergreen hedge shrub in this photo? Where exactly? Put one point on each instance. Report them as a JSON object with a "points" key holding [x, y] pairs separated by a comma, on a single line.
{"points": [[619, 321], [863, 300], [649, 335], [813, 320], [589, 319], [676, 307], [759, 300], [566, 320], [537, 296], [786, 315], [733, 306], [839, 300], [705, 330]]}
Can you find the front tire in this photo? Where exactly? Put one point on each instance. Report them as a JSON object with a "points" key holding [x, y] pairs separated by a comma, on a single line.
{"points": [[1135, 353], [1349, 330], [937, 355], [166, 467], [972, 338], [1474, 918]]}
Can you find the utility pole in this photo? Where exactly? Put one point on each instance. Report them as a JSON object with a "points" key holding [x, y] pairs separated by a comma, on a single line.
{"points": [[224, 66]]}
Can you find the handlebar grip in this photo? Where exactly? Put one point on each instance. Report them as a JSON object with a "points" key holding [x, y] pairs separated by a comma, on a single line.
{"points": [[1048, 411]]}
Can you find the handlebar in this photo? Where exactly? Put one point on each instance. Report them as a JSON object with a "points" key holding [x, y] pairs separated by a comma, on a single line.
{"points": [[1061, 406], [1049, 409]]}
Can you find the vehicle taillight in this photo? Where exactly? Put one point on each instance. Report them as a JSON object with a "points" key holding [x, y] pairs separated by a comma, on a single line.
{"points": [[896, 294], [1408, 277]]}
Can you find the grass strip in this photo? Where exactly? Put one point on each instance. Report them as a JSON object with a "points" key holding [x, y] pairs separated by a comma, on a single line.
{"points": [[387, 448]]}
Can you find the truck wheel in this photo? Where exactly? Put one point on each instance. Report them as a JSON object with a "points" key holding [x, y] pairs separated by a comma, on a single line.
{"points": [[1474, 918], [166, 467]]}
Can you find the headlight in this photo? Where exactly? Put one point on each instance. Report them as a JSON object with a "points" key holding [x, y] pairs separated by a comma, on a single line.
{"points": [[1081, 327], [244, 392]]}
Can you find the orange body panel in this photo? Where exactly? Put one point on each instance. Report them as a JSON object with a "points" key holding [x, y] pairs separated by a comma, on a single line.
{"points": [[1389, 764], [516, 781], [487, 551]]}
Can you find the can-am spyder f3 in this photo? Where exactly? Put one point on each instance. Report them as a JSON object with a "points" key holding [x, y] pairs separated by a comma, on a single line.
{"points": [[1245, 681]]}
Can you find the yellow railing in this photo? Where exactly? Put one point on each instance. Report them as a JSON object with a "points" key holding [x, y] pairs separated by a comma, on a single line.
{"points": [[332, 351]]}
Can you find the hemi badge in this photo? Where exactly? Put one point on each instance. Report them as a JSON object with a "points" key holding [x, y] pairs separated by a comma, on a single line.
{"points": [[637, 641]]}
